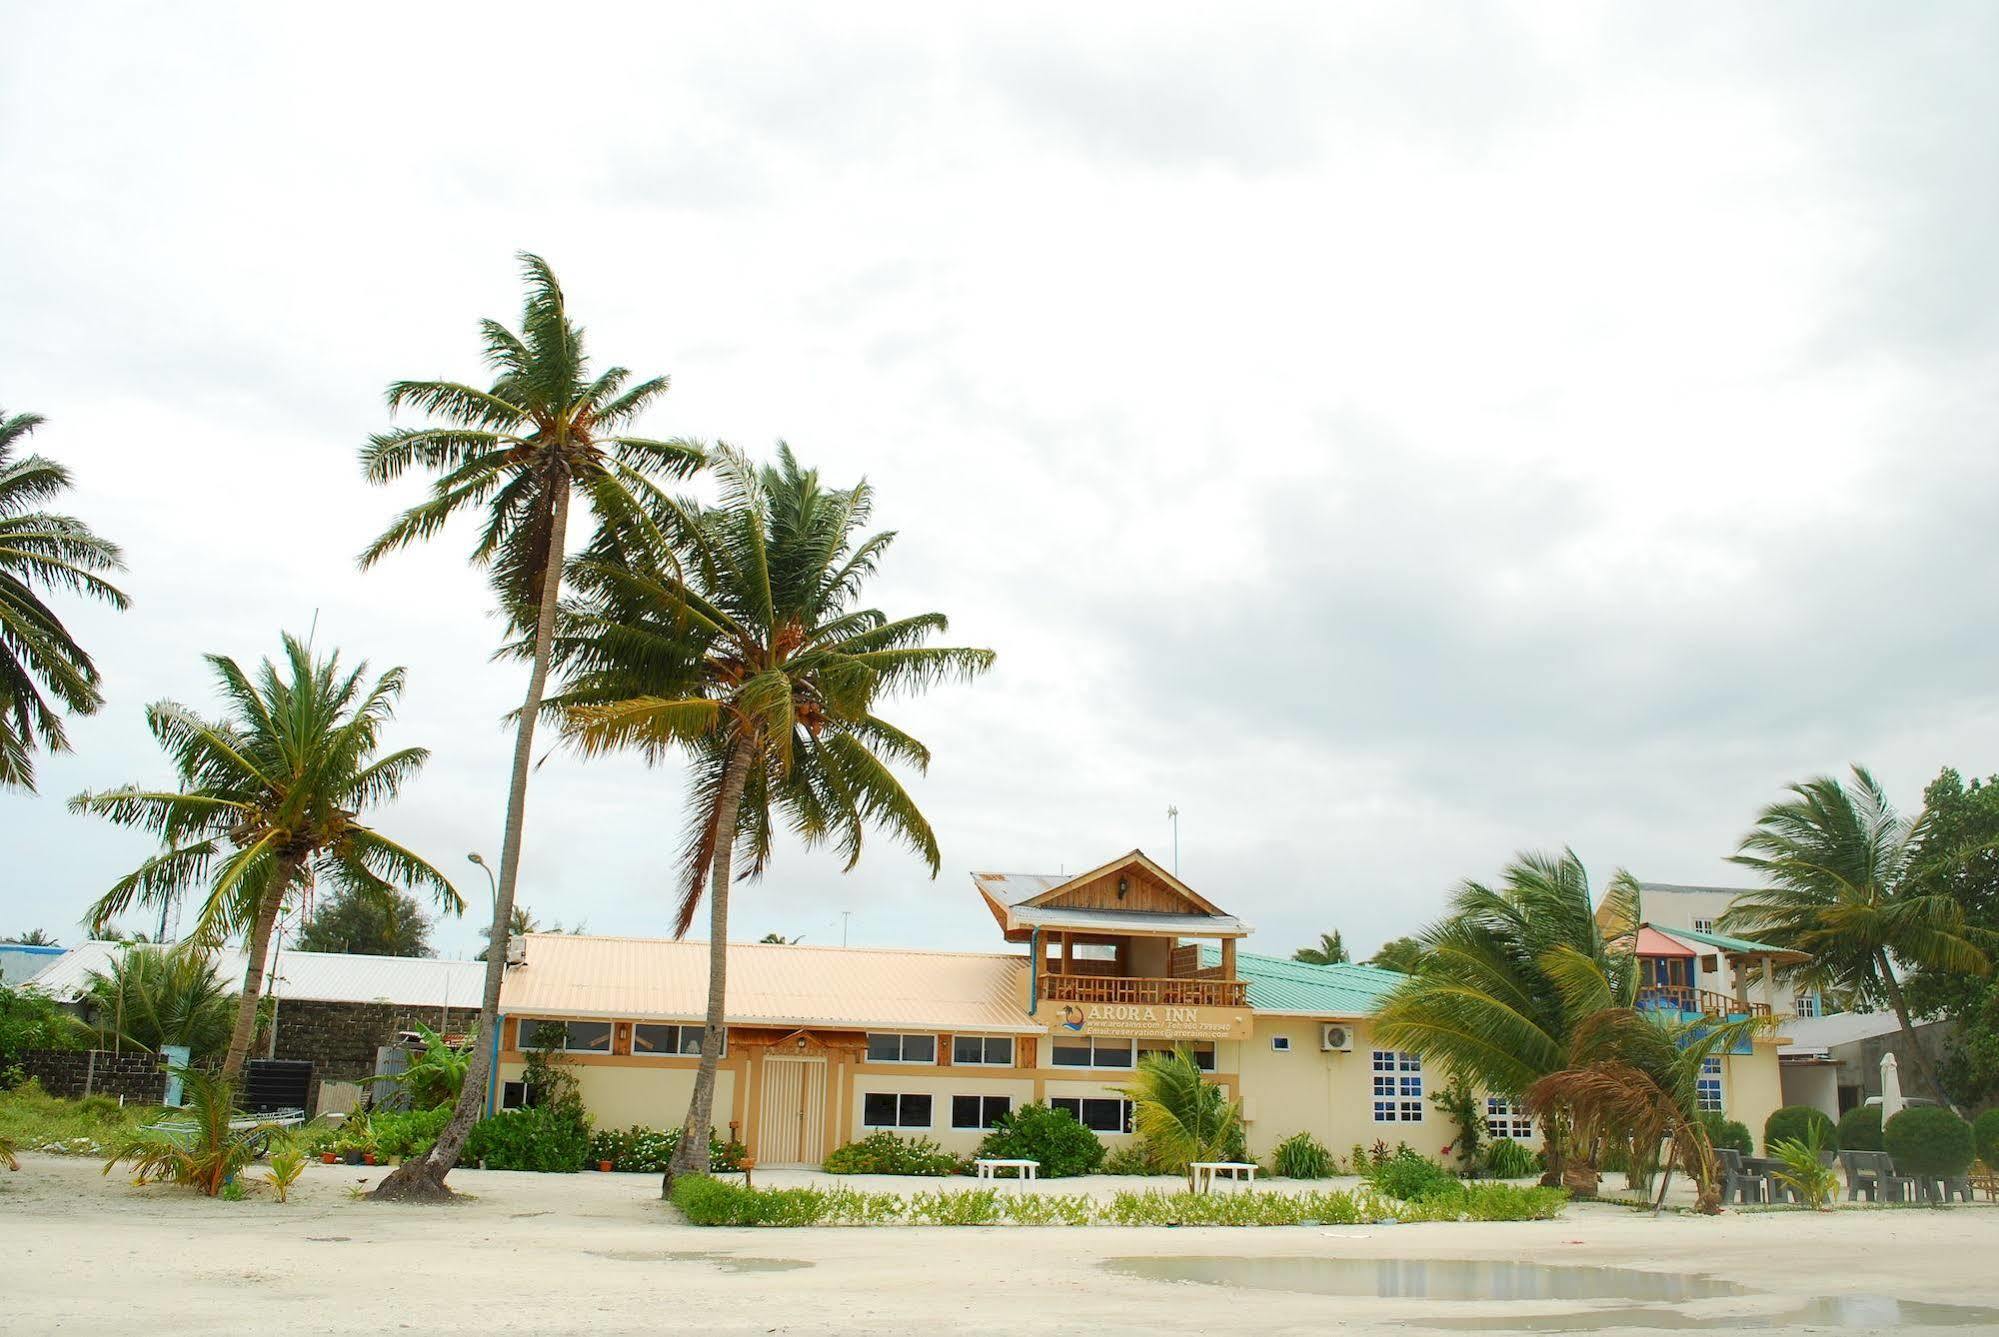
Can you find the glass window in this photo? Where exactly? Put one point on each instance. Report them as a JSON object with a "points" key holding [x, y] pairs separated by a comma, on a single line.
{"points": [[1806, 1005], [1398, 1086], [1505, 1118], [662, 1039], [1099, 1116], [978, 1111], [1083, 1052], [888, 1048], [1202, 1050], [895, 1109], [1703, 926], [989, 1051], [1070, 1053], [516, 1095], [1281, 1043], [1707, 1089], [576, 1037]]}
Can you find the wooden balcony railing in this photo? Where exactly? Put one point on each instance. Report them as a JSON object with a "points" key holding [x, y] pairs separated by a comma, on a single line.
{"points": [[1703, 1002], [1127, 989]]}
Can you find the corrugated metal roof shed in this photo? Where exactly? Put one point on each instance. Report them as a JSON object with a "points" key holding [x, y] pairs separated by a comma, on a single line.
{"points": [[331, 977], [770, 984], [1294, 988]]}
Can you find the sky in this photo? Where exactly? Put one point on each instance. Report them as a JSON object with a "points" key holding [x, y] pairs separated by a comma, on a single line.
{"points": [[1397, 436]]}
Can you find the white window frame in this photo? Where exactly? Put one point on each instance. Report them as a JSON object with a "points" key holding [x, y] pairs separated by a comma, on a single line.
{"points": [[985, 1044], [1504, 1117], [1805, 1005], [1124, 1112], [1702, 926], [982, 1125], [525, 1027], [899, 1097], [1710, 1094], [902, 1040], [685, 1028], [1397, 1095], [1131, 1054], [1280, 1044]]}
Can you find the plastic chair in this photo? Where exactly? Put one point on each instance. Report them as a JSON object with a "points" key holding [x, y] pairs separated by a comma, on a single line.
{"points": [[1739, 1182]]}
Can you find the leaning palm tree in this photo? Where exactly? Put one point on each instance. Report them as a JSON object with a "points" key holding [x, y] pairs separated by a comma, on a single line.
{"points": [[1633, 1076], [741, 645], [1480, 999], [1183, 1117], [269, 803], [151, 997], [515, 453], [1839, 863], [41, 551]]}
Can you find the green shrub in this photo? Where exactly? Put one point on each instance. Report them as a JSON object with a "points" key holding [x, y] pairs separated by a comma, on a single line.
{"points": [[1459, 1201], [1726, 1132], [1050, 1136], [1410, 1176], [1047, 1209], [34, 1120], [972, 1207], [1860, 1130], [1503, 1158], [1803, 1170], [408, 1133], [33, 1021], [1794, 1123], [642, 1150], [883, 1153], [1302, 1156], [551, 1139], [1985, 1135], [1135, 1157], [1929, 1141]]}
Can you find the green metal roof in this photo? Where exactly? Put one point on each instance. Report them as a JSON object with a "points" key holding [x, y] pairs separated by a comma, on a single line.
{"points": [[1277, 985], [1741, 946]]}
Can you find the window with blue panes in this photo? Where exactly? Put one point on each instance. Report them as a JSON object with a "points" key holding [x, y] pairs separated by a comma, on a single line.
{"points": [[1398, 1086], [1707, 1088]]}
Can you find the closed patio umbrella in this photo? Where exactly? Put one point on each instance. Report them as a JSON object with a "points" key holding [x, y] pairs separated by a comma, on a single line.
{"points": [[1891, 1089]]}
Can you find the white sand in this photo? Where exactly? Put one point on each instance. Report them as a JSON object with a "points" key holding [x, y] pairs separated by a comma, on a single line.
{"points": [[592, 1253]]}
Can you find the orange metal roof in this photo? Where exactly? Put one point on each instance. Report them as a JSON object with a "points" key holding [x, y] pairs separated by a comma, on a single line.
{"points": [[1651, 942], [770, 984]]}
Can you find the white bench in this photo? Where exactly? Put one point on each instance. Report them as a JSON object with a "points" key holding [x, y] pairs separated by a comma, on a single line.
{"points": [[987, 1166], [1204, 1173]]}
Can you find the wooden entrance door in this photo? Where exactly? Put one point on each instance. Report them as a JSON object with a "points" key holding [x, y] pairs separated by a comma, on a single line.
{"points": [[791, 1127]]}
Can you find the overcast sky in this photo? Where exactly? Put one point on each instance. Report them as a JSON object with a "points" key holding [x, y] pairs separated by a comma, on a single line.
{"points": [[1397, 435]]}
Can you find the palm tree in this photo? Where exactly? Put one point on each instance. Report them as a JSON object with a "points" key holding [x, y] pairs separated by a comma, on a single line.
{"points": [[1482, 999], [741, 645], [1632, 1075], [515, 453], [1183, 1117], [34, 937], [1400, 954], [1840, 865], [152, 997], [270, 801], [1330, 951], [39, 551]]}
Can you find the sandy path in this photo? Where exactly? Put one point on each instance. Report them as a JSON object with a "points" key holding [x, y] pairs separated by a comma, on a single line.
{"points": [[594, 1253]]}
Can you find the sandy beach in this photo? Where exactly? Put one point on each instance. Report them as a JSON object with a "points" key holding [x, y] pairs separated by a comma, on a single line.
{"points": [[593, 1253]]}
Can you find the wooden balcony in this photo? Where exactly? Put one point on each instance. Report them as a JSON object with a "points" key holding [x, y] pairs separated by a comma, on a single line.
{"points": [[1134, 990], [1700, 1002]]}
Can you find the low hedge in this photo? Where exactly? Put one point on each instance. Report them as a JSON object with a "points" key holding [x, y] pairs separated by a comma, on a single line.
{"points": [[883, 1153], [548, 1139], [1929, 1141], [642, 1150], [714, 1202], [1985, 1136], [1794, 1123], [1860, 1130]]}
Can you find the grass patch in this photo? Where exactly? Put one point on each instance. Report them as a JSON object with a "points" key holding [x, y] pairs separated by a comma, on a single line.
{"points": [[34, 1120], [715, 1202]]}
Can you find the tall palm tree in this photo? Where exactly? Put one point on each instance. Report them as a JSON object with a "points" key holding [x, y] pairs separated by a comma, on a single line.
{"points": [[1331, 951], [40, 551], [270, 802], [515, 453], [741, 645], [1482, 999], [1840, 866]]}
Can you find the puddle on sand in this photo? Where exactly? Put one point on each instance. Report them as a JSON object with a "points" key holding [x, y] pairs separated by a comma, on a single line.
{"points": [[1442, 1279], [728, 1262], [1468, 1280]]}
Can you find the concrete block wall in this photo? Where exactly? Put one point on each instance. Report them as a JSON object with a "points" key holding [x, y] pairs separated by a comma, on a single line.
{"points": [[74, 1073]]}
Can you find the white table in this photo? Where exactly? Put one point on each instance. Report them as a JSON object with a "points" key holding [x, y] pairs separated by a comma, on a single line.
{"points": [[1204, 1173], [1022, 1169]]}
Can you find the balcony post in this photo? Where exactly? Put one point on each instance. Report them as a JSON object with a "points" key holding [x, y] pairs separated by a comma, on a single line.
{"points": [[1068, 953], [1228, 958]]}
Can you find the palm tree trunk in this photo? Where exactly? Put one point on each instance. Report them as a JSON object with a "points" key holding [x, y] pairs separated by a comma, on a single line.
{"points": [[691, 1156], [1917, 1054], [258, 947], [424, 1176]]}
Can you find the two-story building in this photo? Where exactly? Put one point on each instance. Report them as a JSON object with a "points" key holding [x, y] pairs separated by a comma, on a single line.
{"points": [[827, 1044]]}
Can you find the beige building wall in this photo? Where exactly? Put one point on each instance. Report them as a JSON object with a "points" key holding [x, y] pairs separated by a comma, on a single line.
{"points": [[1329, 1094], [940, 1084], [627, 1093], [1752, 1087]]}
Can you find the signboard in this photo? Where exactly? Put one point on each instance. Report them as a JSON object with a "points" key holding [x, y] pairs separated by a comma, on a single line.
{"points": [[1146, 1021]]}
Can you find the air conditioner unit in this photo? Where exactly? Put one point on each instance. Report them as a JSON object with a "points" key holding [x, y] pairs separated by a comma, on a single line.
{"points": [[1334, 1037], [517, 952]]}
